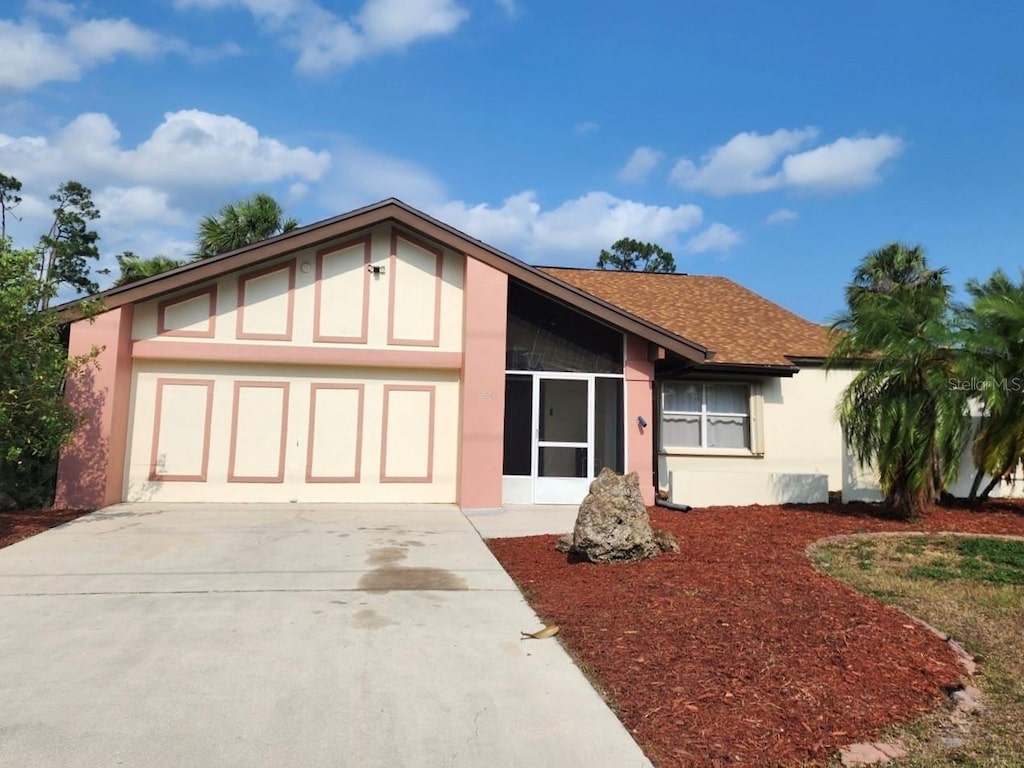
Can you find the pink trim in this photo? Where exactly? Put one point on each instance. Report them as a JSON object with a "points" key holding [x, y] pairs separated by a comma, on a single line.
{"points": [[91, 470], [384, 476], [434, 340], [282, 354], [310, 477], [639, 396], [482, 416], [240, 333], [363, 334], [233, 477], [158, 413], [121, 412], [161, 310]]}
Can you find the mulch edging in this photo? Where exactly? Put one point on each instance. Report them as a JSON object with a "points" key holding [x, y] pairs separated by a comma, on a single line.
{"points": [[16, 526], [736, 650]]}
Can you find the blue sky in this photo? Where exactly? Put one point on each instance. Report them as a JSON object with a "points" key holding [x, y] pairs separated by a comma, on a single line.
{"points": [[774, 143]]}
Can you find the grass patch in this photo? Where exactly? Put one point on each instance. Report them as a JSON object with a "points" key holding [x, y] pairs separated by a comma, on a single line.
{"points": [[973, 589]]}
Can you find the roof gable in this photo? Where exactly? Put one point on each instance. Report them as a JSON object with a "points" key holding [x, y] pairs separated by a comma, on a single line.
{"points": [[398, 213]]}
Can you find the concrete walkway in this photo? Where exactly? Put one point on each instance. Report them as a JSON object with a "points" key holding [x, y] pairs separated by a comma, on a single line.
{"points": [[524, 520], [252, 635]]}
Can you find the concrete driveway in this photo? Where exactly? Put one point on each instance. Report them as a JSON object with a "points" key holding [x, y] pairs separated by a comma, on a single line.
{"points": [[258, 635]]}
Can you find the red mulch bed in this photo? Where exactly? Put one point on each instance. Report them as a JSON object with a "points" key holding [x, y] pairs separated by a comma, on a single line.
{"points": [[15, 526], [736, 650]]}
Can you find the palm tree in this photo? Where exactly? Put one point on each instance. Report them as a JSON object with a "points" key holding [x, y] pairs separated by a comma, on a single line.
{"points": [[993, 334], [238, 224], [134, 267], [899, 414]]}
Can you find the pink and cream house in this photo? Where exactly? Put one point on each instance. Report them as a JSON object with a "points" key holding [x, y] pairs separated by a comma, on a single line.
{"points": [[379, 356], [384, 357]]}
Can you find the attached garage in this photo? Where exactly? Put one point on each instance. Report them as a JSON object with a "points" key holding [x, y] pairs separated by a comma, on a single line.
{"points": [[329, 374], [201, 433]]}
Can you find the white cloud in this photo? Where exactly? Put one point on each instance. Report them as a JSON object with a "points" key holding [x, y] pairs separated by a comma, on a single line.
{"points": [[640, 165], [325, 41], [101, 40], [507, 226], [587, 126], [189, 149], [194, 147], [843, 164], [751, 162], [741, 164], [780, 216], [581, 226], [34, 56], [389, 24], [151, 194], [131, 206], [717, 237]]}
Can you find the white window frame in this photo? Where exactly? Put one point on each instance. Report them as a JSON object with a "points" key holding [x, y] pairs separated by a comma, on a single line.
{"points": [[753, 416]]}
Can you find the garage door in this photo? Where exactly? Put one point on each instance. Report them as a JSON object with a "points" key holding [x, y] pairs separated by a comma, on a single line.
{"points": [[201, 433]]}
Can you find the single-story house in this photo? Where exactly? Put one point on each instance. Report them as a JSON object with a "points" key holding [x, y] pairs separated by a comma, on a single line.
{"points": [[383, 356]]}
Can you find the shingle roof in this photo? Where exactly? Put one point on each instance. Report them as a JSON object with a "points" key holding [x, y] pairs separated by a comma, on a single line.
{"points": [[739, 326]]}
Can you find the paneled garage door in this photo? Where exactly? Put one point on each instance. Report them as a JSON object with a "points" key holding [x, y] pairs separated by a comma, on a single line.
{"points": [[255, 434]]}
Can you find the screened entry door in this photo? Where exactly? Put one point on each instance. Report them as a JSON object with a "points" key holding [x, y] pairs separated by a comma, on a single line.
{"points": [[560, 430], [564, 438]]}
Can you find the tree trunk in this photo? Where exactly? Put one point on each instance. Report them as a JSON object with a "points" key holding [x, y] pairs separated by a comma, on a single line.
{"points": [[903, 502], [997, 477], [975, 485], [989, 488]]}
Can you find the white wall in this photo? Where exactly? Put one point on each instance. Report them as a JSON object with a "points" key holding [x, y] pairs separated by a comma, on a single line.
{"points": [[800, 456]]}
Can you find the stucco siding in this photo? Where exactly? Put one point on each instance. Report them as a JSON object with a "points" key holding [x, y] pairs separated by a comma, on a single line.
{"points": [[263, 433], [329, 374], [798, 449], [325, 297]]}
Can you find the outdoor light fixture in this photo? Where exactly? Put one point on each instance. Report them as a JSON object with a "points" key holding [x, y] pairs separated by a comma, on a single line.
{"points": [[375, 269]]}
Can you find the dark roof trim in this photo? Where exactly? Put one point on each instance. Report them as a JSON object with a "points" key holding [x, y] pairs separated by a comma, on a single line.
{"points": [[737, 369], [676, 368], [398, 212], [810, 362], [781, 371]]}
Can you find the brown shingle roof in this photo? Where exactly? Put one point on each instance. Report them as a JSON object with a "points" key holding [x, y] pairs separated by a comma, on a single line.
{"points": [[737, 325]]}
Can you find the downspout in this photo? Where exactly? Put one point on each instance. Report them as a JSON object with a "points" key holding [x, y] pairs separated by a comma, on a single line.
{"points": [[674, 507]]}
